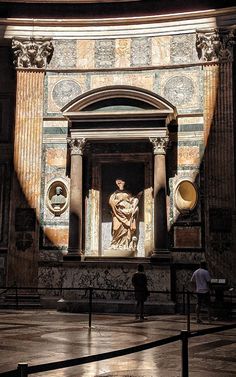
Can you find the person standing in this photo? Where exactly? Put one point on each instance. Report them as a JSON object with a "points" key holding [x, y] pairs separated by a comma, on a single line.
{"points": [[139, 281], [201, 278]]}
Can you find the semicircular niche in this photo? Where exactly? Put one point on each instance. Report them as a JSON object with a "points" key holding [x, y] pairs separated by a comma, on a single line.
{"points": [[186, 196], [65, 91]]}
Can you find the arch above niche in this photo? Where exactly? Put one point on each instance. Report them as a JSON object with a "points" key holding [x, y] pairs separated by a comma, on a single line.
{"points": [[119, 102]]}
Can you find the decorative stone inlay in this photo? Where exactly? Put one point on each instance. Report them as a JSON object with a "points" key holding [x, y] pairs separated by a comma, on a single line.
{"points": [[181, 48], [159, 144], [77, 145], [105, 53], [141, 51], [64, 55], [31, 52], [179, 90], [215, 45], [23, 241], [65, 91]]}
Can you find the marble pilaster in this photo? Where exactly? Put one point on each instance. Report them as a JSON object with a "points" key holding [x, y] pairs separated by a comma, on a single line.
{"points": [[30, 58]]}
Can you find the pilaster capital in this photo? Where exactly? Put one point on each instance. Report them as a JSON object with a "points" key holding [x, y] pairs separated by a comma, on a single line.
{"points": [[215, 45], [31, 52], [159, 144], [76, 145]]}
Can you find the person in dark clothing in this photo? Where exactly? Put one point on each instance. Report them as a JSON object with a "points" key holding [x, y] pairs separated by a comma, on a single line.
{"points": [[139, 281]]}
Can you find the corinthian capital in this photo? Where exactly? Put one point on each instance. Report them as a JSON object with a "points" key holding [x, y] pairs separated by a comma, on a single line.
{"points": [[77, 145], [31, 52], [159, 144], [215, 45]]}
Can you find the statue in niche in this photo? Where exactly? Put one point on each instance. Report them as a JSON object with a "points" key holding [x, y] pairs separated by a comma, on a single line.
{"points": [[124, 218], [58, 200]]}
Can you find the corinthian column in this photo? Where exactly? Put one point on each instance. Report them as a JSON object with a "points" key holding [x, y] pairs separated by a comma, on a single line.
{"points": [[76, 197], [30, 59], [159, 193]]}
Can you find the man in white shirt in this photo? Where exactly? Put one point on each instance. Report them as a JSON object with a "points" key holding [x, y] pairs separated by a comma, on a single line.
{"points": [[201, 278]]}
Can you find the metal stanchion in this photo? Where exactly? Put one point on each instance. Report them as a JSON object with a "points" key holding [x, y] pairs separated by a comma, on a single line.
{"points": [[188, 311], [90, 305], [17, 301], [22, 369], [184, 338], [183, 299]]}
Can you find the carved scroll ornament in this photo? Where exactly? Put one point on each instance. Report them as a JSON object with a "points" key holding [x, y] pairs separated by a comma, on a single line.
{"points": [[215, 45], [31, 52]]}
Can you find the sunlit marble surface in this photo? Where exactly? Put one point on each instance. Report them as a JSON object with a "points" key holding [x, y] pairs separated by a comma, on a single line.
{"points": [[42, 336]]}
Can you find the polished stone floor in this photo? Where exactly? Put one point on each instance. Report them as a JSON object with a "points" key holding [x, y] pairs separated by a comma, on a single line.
{"points": [[42, 336]]}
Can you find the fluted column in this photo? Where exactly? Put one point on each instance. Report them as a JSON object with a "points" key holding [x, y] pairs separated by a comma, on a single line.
{"points": [[159, 193], [30, 59], [76, 196]]}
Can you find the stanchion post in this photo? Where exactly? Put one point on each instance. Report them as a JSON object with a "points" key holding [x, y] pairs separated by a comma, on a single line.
{"points": [[17, 301], [90, 305], [184, 338], [183, 299], [188, 311], [22, 369]]}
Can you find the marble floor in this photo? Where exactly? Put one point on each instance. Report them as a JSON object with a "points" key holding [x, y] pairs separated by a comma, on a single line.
{"points": [[42, 336]]}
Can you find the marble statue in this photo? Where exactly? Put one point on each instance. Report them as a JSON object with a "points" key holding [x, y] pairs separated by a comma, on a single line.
{"points": [[58, 200], [124, 218]]}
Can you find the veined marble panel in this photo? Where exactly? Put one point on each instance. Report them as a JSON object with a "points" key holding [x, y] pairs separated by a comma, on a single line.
{"points": [[188, 155], [142, 80], [64, 55], [85, 54], [161, 50], [105, 53], [182, 49], [56, 236], [141, 52], [182, 87], [103, 275], [63, 88]]}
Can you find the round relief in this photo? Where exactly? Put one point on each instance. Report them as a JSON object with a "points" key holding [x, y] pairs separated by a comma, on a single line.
{"points": [[57, 197], [186, 196], [65, 91], [179, 90]]}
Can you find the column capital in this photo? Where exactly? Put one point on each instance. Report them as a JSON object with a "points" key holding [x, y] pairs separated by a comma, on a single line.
{"points": [[31, 52], [159, 144], [76, 145], [215, 45]]}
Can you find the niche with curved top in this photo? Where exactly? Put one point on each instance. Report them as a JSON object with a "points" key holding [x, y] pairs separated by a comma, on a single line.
{"points": [[186, 196], [57, 197]]}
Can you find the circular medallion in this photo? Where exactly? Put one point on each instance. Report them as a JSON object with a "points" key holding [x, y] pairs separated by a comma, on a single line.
{"points": [[65, 91], [179, 90]]}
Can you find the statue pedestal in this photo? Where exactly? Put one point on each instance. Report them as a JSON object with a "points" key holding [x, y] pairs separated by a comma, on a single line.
{"points": [[126, 253]]}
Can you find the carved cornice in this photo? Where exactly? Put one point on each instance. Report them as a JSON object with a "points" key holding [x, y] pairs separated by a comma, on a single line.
{"points": [[77, 146], [159, 144], [215, 45], [31, 52]]}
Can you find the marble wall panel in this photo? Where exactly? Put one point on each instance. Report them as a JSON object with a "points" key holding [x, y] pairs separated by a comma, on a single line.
{"points": [[188, 155], [104, 275], [85, 54], [161, 50], [63, 88], [182, 49], [64, 55], [56, 157], [56, 236], [141, 52], [105, 53], [123, 52], [182, 87], [187, 237], [142, 80]]}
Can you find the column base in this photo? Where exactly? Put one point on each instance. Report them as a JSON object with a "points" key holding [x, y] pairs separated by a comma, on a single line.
{"points": [[160, 257], [73, 254]]}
